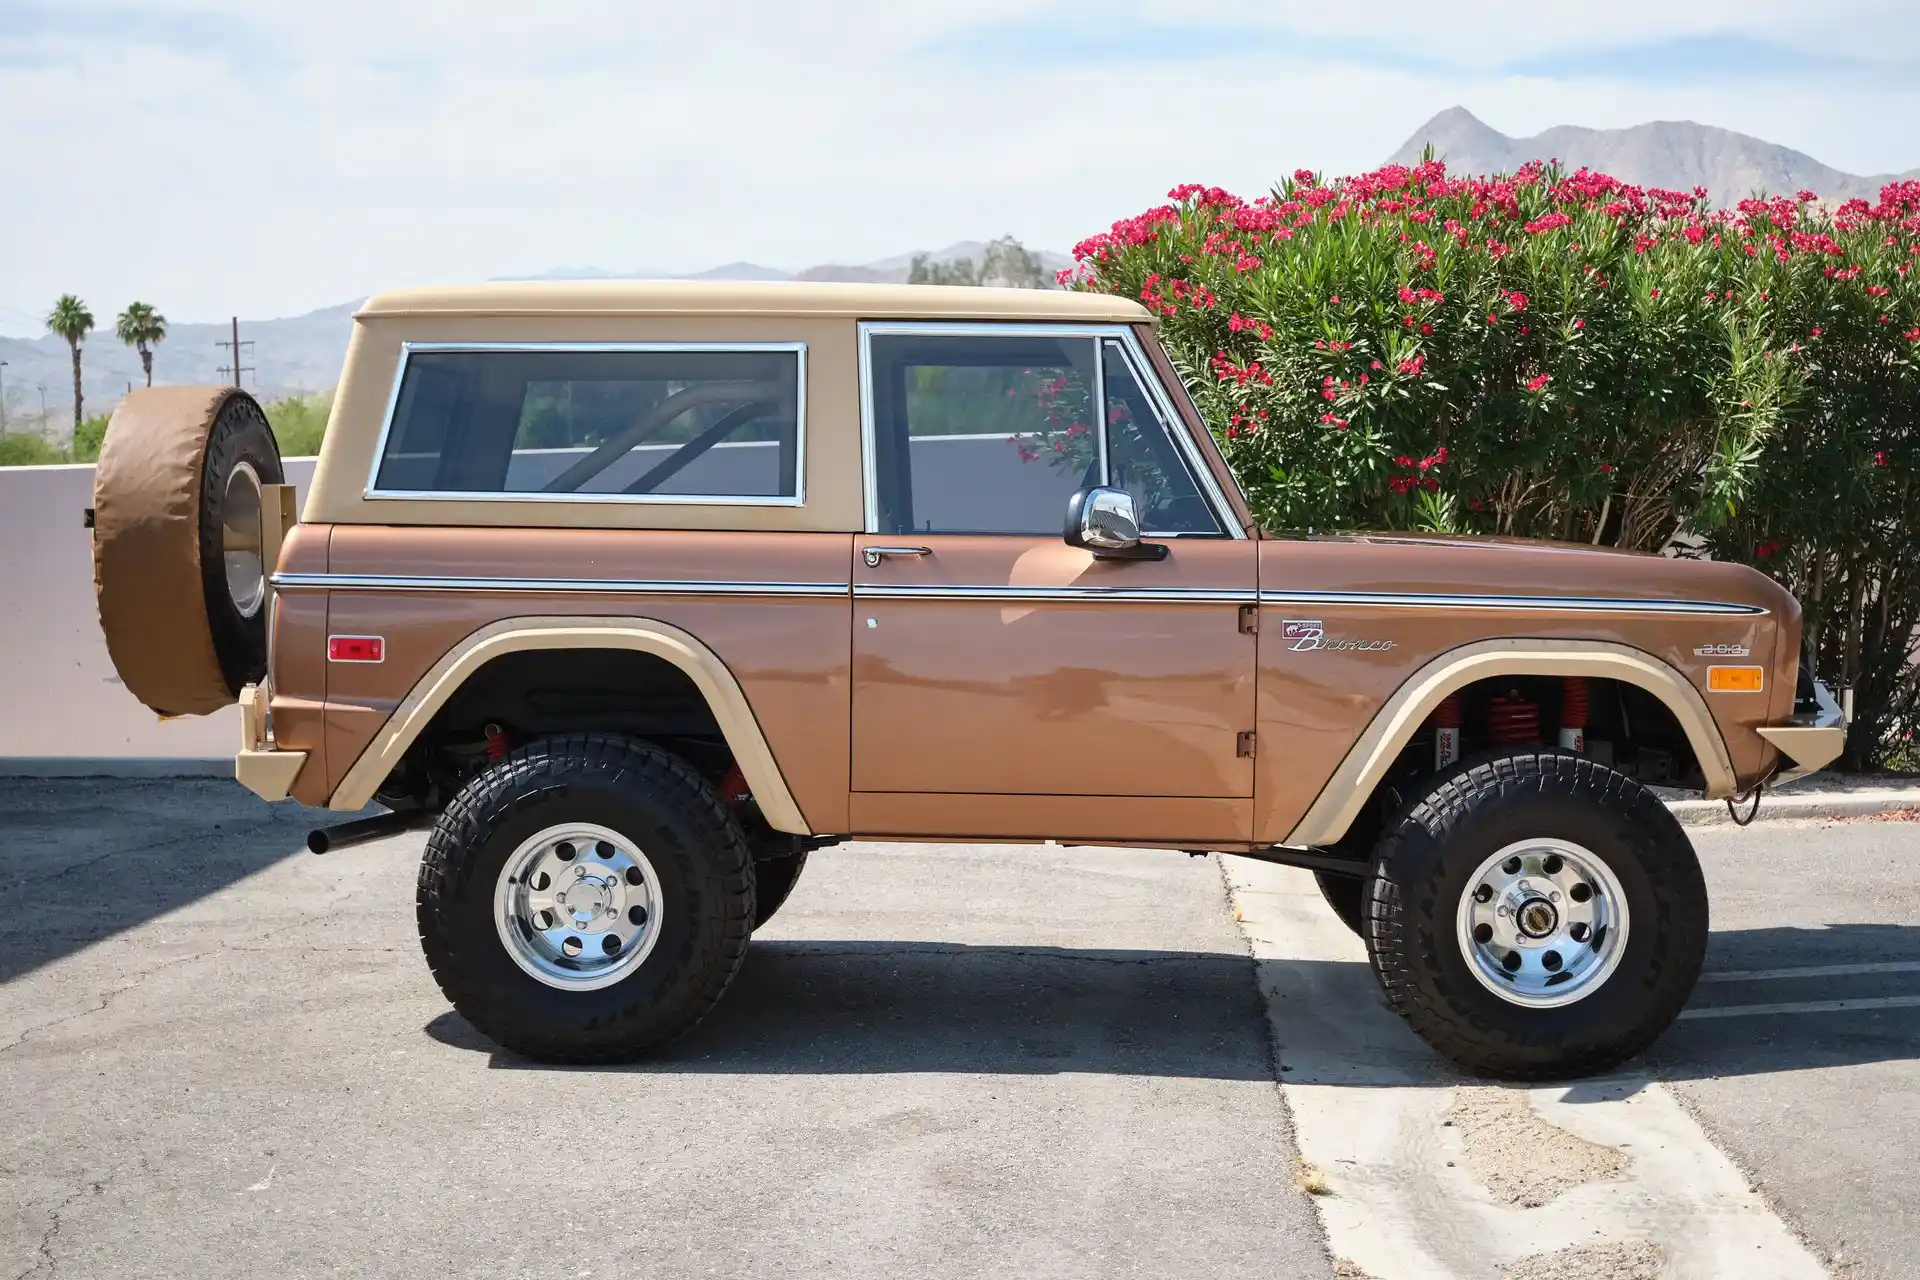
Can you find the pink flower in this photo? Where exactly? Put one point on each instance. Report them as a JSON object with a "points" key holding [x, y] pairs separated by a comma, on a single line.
{"points": [[1879, 457], [1579, 324], [1492, 319], [1606, 468], [1517, 300], [1535, 383], [1653, 293]]}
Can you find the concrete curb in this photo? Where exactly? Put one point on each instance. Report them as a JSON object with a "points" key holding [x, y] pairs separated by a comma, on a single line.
{"points": [[115, 767], [1812, 805]]}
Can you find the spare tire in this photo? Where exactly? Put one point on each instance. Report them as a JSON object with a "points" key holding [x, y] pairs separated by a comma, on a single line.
{"points": [[177, 568]]}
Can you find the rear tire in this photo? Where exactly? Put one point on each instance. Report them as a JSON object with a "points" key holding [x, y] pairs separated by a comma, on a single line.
{"points": [[1603, 931], [671, 845], [774, 879]]}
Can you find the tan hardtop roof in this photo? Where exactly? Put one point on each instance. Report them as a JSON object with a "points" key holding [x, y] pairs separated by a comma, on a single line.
{"points": [[757, 298]]}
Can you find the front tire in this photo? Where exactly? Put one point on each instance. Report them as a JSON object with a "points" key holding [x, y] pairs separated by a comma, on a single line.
{"points": [[1537, 916], [585, 899]]}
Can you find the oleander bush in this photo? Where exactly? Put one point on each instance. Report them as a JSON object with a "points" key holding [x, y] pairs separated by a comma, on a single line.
{"points": [[1563, 355]]}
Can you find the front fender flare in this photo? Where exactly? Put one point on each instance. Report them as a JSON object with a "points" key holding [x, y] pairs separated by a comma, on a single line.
{"points": [[643, 635], [1374, 752]]}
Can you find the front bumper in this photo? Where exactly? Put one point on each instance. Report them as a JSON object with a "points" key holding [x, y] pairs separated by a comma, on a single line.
{"points": [[259, 768], [1810, 742]]}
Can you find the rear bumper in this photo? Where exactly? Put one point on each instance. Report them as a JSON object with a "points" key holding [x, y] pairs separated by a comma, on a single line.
{"points": [[259, 768], [1810, 743]]}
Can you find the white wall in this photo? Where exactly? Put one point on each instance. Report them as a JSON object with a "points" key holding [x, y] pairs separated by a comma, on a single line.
{"points": [[59, 696]]}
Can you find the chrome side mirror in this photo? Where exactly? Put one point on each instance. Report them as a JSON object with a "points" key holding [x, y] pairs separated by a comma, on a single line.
{"points": [[1103, 522]]}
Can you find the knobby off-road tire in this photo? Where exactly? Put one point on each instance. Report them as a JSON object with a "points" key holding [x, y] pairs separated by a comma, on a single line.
{"points": [[699, 887], [774, 879], [1347, 895], [1539, 805]]}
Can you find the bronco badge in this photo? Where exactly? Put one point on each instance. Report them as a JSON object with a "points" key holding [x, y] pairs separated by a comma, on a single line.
{"points": [[1309, 635]]}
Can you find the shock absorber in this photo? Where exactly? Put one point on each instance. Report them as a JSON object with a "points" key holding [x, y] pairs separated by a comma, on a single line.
{"points": [[1446, 731], [1512, 720], [1573, 713]]}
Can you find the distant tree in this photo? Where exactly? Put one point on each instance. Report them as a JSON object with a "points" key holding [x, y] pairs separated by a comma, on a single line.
{"points": [[1006, 264], [72, 321], [1011, 265], [142, 328], [926, 271]]}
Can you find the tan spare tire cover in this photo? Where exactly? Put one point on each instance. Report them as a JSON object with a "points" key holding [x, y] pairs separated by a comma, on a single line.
{"points": [[176, 506]]}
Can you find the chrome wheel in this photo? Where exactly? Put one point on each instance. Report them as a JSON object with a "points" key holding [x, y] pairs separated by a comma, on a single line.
{"points": [[240, 540], [1543, 923], [578, 907]]}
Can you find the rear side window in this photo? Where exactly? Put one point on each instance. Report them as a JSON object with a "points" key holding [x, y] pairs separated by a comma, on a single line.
{"points": [[661, 424]]}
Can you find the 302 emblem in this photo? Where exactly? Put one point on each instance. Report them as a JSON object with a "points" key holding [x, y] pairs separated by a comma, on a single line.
{"points": [[1721, 651], [1309, 635]]}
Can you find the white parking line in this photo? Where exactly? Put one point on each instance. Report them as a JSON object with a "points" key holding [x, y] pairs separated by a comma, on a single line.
{"points": [[1800, 1006], [1812, 971], [1379, 1118]]}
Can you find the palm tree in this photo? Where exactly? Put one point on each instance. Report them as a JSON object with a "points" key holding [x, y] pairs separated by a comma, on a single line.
{"points": [[72, 321], [140, 327]]}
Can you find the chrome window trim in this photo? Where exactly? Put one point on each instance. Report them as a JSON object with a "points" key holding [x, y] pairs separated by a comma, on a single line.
{"points": [[1130, 351], [797, 499], [1552, 604], [570, 586], [1080, 595]]}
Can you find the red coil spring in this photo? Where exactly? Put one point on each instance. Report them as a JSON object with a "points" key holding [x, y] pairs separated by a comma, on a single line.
{"points": [[1573, 702], [1511, 719], [1447, 714]]}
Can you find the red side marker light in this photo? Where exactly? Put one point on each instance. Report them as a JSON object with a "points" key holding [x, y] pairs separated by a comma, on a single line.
{"points": [[356, 649]]}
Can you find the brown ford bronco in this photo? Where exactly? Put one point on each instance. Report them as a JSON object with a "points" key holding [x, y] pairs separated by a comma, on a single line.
{"points": [[640, 592]]}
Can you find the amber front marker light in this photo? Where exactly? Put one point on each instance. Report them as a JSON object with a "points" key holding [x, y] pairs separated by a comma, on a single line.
{"points": [[1736, 679]]}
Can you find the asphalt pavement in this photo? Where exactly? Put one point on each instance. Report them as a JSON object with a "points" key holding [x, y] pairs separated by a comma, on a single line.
{"points": [[223, 1055]]}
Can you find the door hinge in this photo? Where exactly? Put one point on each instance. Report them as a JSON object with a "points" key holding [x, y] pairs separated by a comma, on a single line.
{"points": [[1249, 619], [1243, 744]]}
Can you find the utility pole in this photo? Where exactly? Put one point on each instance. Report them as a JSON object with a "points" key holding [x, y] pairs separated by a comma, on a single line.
{"points": [[3, 396], [236, 348]]}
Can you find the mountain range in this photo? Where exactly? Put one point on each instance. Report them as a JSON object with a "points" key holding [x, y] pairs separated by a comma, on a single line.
{"points": [[304, 353], [1677, 155]]}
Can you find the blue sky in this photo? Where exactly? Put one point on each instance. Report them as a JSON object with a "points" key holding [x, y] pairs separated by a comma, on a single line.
{"points": [[265, 157]]}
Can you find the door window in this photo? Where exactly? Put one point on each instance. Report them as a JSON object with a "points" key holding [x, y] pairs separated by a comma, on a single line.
{"points": [[981, 434], [993, 433]]}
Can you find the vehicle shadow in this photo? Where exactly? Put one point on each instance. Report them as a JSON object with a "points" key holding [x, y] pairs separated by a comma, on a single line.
{"points": [[815, 1008], [82, 859], [812, 1008]]}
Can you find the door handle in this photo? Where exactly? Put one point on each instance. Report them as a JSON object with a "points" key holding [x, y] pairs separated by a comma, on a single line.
{"points": [[873, 555]]}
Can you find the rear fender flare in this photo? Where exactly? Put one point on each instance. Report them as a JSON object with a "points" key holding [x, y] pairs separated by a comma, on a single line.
{"points": [[642, 635], [1394, 725]]}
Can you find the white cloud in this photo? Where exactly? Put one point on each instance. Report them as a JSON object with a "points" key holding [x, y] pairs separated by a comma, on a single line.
{"points": [[229, 155]]}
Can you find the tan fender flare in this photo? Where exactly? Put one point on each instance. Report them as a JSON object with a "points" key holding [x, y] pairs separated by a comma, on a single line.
{"points": [[642, 635], [1367, 762]]}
